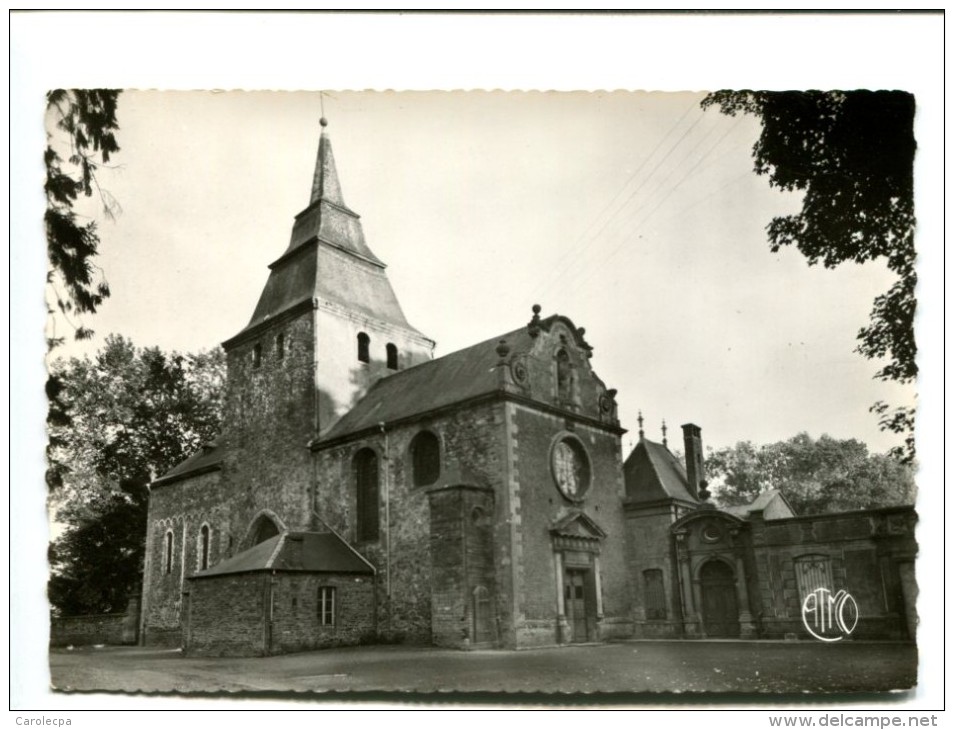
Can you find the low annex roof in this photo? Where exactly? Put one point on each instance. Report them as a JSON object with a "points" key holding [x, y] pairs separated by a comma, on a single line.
{"points": [[651, 472], [771, 503], [303, 552], [207, 458]]}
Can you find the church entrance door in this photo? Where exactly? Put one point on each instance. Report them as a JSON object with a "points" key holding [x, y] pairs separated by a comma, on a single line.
{"points": [[720, 606], [574, 589]]}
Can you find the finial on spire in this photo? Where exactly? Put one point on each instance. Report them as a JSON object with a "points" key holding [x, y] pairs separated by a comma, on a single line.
{"points": [[323, 122], [664, 429], [639, 420]]}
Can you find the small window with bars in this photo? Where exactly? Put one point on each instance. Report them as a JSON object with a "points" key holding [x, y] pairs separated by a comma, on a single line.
{"points": [[326, 606], [811, 573]]}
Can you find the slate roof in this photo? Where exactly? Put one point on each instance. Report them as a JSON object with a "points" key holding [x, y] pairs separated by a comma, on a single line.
{"points": [[761, 503], [208, 458], [327, 258], [301, 552], [651, 472], [446, 380]]}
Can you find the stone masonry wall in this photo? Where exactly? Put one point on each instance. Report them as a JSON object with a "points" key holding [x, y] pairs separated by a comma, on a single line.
{"points": [[462, 567], [472, 449], [650, 548], [227, 615], [270, 417], [295, 620], [181, 507], [541, 504], [867, 551], [259, 614], [104, 628]]}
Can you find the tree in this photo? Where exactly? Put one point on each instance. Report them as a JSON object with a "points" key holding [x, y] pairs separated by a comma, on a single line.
{"points": [[130, 415], [84, 125], [816, 476], [852, 155]]}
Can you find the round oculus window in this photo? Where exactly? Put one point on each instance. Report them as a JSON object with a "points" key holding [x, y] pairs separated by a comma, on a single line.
{"points": [[571, 468]]}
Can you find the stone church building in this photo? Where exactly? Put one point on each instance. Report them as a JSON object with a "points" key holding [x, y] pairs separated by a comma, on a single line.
{"points": [[362, 490]]}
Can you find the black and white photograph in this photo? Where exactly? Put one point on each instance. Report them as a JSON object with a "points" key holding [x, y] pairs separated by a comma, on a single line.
{"points": [[599, 395]]}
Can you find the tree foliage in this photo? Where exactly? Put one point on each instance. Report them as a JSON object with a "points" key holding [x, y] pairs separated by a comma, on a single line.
{"points": [[816, 476], [124, 418], [83, 129], [852, 155]]}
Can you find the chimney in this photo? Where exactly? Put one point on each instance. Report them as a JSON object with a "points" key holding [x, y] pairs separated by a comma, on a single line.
{"points": [[695, 468]]}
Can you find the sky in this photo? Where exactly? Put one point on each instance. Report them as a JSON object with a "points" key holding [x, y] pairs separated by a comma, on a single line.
{"points": [[635, 214], [483, 205]]}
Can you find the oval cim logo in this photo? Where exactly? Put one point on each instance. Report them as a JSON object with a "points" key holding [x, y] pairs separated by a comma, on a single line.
{"points": [[828, 616]]}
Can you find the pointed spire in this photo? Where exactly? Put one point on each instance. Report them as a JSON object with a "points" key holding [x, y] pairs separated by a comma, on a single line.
{"points": [[325, 185]]}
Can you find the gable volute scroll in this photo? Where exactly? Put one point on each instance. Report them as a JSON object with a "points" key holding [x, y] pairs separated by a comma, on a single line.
{"points": [[556, 369]]}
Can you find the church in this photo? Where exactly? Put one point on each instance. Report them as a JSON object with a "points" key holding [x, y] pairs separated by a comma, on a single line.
{"points": [[364, 491]]}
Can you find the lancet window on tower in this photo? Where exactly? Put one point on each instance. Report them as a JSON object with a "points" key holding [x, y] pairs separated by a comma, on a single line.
{"points": [[364, 347], [392, 356]]}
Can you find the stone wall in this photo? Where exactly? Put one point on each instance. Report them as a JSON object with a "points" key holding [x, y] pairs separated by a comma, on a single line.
{"points": [[472, 452], [463, 584], [181, 507], [270, 416], [227, 615], [649, 547], [868, 552], [104, 628], [533, 436], [258, 614], [295, 620]]}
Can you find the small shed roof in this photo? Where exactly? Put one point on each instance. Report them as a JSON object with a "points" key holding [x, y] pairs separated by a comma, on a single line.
{"points": [[305, 552]]}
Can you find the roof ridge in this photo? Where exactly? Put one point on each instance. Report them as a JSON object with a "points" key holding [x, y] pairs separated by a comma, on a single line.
{"points": [[277, 551]]}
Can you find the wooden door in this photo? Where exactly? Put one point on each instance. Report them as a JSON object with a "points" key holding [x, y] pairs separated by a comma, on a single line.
{"points": [[720, 606], [483, 616], [574, 591]]}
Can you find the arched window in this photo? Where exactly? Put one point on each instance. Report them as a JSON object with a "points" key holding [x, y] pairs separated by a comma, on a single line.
{"points": [[564, 379], [655, 594], [364, 347], [425, 459], [280, 346], [257, 355], [392, 356], [205, 535], [366, 483], [265, 529], [167, 553]]}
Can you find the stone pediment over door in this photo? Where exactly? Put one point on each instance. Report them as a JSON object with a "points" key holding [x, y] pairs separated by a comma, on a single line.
{"points": [[577, 531]]}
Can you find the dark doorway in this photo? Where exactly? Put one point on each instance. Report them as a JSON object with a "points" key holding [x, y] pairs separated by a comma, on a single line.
{"points": [[574, 591], [483, 615], [720, 606]]}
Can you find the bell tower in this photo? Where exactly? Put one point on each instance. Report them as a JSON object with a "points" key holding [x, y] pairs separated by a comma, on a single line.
{"points": [[327, 325]]}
